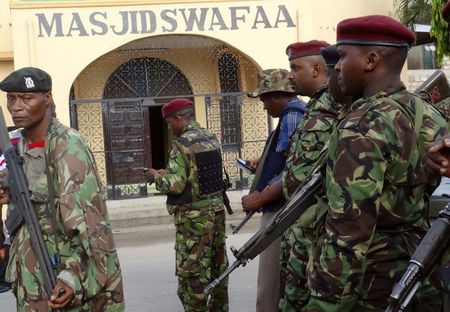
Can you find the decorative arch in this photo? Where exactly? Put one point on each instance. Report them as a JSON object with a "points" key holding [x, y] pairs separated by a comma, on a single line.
{"points": [[146, 77], [116, 104]]}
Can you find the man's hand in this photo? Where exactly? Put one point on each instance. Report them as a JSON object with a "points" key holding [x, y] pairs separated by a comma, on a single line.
{"points": [[254, 163], [152, 174], [251, 201], [4, 253], [4, 198], [437, 157], [62, 294]]}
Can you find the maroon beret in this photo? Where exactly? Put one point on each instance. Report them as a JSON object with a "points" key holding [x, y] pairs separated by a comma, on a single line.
{"points": [[300, 49], [446, 12], [174, 106], [377, 30]]}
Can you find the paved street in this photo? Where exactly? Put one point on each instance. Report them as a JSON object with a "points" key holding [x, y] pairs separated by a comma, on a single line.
{"points": [[148, 264]]}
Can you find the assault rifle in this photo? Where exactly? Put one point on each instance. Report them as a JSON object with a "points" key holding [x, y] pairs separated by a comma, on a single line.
{"points": [[435, 89], [430, 249], [302, 199], [23, 208]]}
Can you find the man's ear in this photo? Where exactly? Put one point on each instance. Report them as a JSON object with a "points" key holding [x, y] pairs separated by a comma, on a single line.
{"points": [[48, 98], [372, 60], [315, 70]]}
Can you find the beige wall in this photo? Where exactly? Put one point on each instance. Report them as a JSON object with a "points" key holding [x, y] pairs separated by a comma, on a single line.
{"points": [[6, 67], [6, 49], [6, 43], [65, 57]]}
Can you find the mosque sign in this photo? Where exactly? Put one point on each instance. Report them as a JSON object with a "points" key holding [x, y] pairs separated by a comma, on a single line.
{"points": [[179, 19]]}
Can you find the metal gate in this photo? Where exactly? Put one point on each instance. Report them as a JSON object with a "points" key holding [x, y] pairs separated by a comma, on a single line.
{"points": [[128, 144], [116, 104]]}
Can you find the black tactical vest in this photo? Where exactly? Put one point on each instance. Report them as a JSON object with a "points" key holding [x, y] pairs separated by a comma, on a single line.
{"points": [[201, 151]]}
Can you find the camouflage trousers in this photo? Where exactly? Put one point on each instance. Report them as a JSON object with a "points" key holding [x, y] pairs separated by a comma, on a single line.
{"points": [[28, 287], [201, 257], [293, 269]]}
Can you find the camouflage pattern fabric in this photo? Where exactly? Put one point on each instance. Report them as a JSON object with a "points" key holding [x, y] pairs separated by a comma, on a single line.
{"points": [[444, 107], [200, 254], [306, 146], [180, 170], [376, 186], [78, 234], [272, 80], [200, 227]]}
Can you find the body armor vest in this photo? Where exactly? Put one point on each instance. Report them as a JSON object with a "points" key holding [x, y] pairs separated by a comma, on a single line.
{"points": [[203, 167]]}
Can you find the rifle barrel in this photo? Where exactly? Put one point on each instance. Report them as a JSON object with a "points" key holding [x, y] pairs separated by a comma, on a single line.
{"points": [[237, 228], [421, 262], [218, 280]]}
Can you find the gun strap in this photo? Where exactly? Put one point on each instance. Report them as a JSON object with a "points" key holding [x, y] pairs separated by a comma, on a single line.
{"points": [[53, 213], [416, 123]]}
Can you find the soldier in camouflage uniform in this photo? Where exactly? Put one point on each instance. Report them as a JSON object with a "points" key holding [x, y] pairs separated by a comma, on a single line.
{"points": [[306, 151], [376, 183], [193, 183], [308, 75], [71, 211], [276, 92], [438, 153]]}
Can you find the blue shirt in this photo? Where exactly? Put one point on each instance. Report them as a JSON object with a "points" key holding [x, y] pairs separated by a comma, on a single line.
{"points": [[275, 160], [289, 122]]}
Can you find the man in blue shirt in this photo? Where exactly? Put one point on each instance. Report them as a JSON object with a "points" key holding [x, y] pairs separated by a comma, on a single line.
{"points": [[276, 92]]}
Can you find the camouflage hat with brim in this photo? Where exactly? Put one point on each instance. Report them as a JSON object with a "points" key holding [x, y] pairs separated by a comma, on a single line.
{"points": [[27, 79], [272, 80]]}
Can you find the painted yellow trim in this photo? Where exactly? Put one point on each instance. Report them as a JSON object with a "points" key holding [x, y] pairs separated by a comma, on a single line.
{"points": [[51, 4], [6, 56]]}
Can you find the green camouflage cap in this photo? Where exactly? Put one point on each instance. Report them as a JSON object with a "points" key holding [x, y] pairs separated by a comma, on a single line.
{"points": [[27, 79], [272, 80]]}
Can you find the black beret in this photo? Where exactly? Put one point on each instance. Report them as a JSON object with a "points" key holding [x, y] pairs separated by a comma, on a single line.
{"points": [[27, 79], [330, 54]]}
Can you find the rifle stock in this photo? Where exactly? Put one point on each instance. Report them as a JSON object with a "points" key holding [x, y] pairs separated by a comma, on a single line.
{"points": [[430, 249], [302, 199], [20, 197]]}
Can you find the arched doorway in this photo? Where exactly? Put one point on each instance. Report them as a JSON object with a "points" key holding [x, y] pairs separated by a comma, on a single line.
{"points": [[135, 133], [113, 94]]}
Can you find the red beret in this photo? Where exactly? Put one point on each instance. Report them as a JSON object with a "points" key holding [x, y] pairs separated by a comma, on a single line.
{"points": [[377, 30], [174, 106], [300, 49], [446, 12]]}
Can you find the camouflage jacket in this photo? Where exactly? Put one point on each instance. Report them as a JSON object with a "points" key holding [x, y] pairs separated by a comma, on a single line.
{"points": [[444, 107], [309, 139], [179, 172], [376, 186], [78, 234]]}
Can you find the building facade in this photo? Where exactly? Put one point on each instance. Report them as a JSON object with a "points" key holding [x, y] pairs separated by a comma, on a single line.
{"points": [[114, 63]]}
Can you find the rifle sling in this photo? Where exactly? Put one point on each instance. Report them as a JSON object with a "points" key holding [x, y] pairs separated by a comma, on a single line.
{"points": [[51, 198], [53, 213]]}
